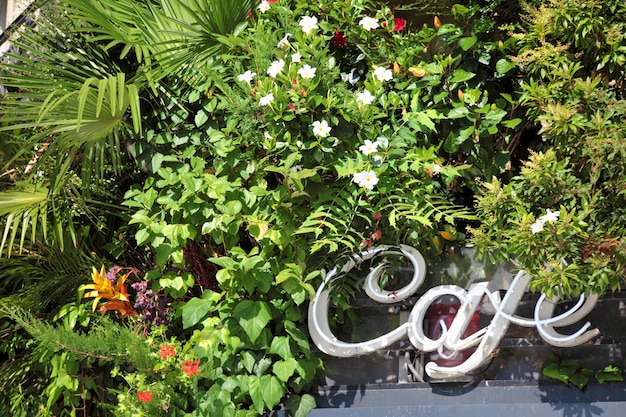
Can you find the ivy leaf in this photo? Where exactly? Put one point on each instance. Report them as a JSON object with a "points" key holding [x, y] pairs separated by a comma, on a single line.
{"points": [[553, 371], [284, 369], [560, 370], [253, 316], [280, 346], [273, 390], [196, 309], [300, 406], [610, 373], [299, 337], [254, 385], [261, 366], [581, 378], [248, 359], [162, 253]]}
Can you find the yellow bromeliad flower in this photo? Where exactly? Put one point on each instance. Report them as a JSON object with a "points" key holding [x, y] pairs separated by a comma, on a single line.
{"points": [[102, 288]]}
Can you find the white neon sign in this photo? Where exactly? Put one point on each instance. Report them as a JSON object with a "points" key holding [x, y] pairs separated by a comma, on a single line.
{"points": [[484, 340]]}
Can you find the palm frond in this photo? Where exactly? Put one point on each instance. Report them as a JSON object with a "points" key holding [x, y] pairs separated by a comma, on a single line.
{"points": [[170, 38]]}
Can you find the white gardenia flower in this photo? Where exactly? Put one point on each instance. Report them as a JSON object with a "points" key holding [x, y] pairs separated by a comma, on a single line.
{"points": [[550, 216], [307, 72], [321, 128], [382, 141], [296, 57], [365, 97], [383, 74], [536, 227], [264, 6], [368, 147], [275, 68], [369, 23], [264, 101], [308, 24], [246, 76], [367, 179], [284, 42]]}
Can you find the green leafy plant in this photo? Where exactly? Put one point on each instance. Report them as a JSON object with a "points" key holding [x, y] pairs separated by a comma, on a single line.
{"points": [[229, 153], [571, 93], [569, 371]]}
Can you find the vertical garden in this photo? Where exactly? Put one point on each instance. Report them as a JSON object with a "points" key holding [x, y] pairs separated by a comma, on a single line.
{"points": [[178, 175]]}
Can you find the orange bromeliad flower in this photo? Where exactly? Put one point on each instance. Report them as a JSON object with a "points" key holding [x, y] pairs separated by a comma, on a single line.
{"points": [[102, 288]]}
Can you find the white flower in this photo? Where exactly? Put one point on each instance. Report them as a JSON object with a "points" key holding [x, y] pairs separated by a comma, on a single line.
{"points": [[365, 97], [382, 141], [367, 179], [307, 71], [308, 23], [550, 216], [264, 101], [275, 68], [321, 129], [267, 135], [436, 168], [280, 144], [264, 6], [536, 227], [246, 76], [383, 74], [369, 23], [284, 42], [296, 57], [368, 147], [349, 78]]}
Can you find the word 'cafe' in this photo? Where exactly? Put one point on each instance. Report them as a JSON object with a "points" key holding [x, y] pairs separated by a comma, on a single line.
{"points": [[460, 335]]}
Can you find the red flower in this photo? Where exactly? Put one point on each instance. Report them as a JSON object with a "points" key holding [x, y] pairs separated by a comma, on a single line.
{"points": [[292, 107], [144, 396], [339, 39], [271, 1], [191, 368], [166, 351], [398, 24]]}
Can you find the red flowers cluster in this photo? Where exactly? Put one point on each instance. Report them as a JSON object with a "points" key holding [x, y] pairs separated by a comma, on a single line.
{"points": [[144, 396], [398, 24], [166, 351], [339, 39], [191, 367]]}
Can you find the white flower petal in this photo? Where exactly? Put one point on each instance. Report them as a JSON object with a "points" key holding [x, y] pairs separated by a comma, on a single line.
{"points": [[369, 23], [308, 24]]}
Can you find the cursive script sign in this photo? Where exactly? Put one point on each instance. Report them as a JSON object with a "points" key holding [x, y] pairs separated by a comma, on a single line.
{"points": [[483, 341]]}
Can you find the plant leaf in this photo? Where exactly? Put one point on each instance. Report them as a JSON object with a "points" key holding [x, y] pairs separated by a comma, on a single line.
{"points": [[253, 316]]}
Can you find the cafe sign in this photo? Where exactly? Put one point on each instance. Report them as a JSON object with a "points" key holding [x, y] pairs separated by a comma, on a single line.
{"points": [[457, 337]]}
